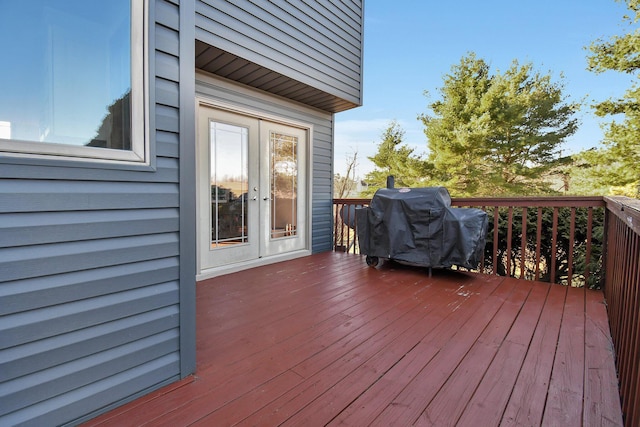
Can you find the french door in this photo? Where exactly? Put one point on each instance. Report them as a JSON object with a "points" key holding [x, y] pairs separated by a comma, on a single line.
{"points": [[251, 188]]}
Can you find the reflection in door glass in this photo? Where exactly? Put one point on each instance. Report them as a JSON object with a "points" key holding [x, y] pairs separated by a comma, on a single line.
{"points": [[229, 184], [284, 184], [67, 72]]}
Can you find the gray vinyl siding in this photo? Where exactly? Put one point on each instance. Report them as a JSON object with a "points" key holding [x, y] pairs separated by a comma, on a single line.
{"points": [[322, 207], [317, 43], [321, 145], [90, 270]]}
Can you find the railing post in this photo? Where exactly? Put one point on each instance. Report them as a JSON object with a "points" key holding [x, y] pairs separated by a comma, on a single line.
{"points": [[605, 247], [523, 242], [587, 261]]}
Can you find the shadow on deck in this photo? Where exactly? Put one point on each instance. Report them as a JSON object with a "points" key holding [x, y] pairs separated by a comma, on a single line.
{"points": [[326, 340]]}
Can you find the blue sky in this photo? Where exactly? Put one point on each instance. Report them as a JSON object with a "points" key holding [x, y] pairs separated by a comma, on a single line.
{"points": [[410, 45]]}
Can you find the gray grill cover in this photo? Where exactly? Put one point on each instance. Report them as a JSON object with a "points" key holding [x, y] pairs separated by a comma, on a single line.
{"points": [[418, 226]]}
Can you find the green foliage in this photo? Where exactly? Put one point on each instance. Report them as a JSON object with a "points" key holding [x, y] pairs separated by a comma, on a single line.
{"points": [[396, 158], [457, 132], [615, 168], [497, 134], [612, 170]]}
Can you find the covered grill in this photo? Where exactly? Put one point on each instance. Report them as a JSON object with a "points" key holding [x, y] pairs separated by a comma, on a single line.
{"points": [[418, 226]]}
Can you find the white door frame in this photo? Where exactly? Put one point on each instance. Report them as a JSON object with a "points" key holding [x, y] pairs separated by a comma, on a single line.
{"points": [[202, 271]]}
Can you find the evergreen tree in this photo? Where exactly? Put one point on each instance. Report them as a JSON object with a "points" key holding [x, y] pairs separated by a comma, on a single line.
{"points": [[497, 134], [458, 131], [616, 166], [395, 158]]}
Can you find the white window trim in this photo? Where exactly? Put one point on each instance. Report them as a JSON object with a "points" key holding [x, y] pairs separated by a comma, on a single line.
{"points": [[139, 153]]}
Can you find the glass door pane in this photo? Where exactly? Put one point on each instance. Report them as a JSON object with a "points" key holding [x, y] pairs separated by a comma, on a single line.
{"points": [[283, 185], [229, 183], [283, 166], [229, 213]]}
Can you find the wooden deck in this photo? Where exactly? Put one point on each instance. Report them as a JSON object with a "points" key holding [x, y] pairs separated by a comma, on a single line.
{"points": [[326, 340]]}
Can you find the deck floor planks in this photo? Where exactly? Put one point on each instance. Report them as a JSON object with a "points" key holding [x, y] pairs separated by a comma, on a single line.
{"points": [[238, 409], [271, 316], [326, 369], [326, 340], [425, 383], [300, 343], [304, 317], [499, 380], [601, 384], [230, 301], [566, 389], [232, 312], [384, 358], [463, 382], [376, 397], [527, 401]]}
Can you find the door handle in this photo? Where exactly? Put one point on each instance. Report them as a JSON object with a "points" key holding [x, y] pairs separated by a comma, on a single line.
{"points": [[266, 198]]}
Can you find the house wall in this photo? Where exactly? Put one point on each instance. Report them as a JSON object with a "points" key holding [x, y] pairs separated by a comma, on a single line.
{"points": [[97, 262], [90, 267], [278, 33]]}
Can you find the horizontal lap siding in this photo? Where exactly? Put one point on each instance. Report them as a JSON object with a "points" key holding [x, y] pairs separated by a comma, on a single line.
{"points": [[318, 43], [89, 270], [322, 206], [321, 147]]}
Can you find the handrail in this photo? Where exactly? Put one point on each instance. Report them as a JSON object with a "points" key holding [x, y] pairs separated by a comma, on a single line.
{"points": [[622, 293], [535, 238]]}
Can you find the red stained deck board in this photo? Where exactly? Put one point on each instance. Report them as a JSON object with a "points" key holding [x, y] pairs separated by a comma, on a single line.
{"points": [[527, 401], [252, 291], [463, 379], [424, 383], [467, 376], [425, 345], [238, 409], [389, 316], [499, 380], [325, 375], [566, 389], [304, 317], [407, 335], [276, 320], [218, 408], [601, 383], [327, 340], [229, 298], [277, 359]]}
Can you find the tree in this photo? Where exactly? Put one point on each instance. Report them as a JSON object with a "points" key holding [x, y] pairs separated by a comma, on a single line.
{"points": [[343, 186], [395, 158], [497, 134], [616, 166], [457, 132]]}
